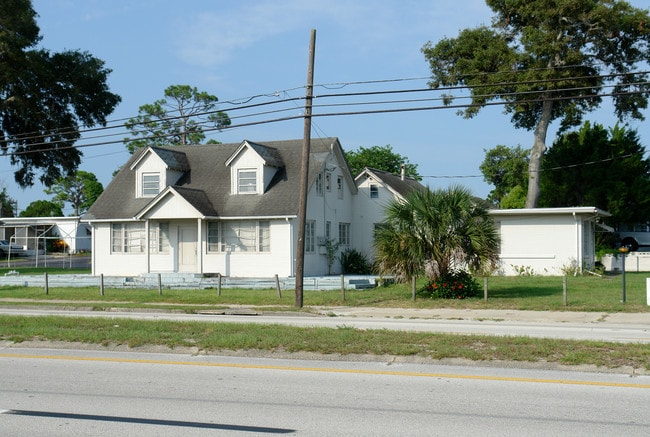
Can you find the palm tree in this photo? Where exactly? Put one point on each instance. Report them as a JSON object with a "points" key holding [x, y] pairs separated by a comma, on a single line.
{"points": [[434, 232]]}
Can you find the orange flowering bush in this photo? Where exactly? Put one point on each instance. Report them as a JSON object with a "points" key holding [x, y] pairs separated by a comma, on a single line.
{"points": [[453, 285]]}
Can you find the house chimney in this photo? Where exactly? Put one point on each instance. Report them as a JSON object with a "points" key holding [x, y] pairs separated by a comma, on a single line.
{"points": [[403, 172]]}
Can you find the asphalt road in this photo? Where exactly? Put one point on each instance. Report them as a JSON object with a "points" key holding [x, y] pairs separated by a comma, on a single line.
{"points": [[74, 392], [562, 325]]}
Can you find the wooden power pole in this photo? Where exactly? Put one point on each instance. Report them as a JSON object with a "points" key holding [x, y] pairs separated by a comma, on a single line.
{"points": [[304, 175]]}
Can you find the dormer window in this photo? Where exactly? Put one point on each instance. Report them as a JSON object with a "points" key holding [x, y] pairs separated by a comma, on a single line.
{"points": [[247, 180], [374, 191], [150, 184]]}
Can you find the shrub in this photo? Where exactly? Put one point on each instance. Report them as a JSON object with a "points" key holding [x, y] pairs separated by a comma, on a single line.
{"points": [[354, 262], [453, 285]]}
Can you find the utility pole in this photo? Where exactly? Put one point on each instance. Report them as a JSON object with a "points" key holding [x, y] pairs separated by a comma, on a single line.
{"points": [[304, 174]]}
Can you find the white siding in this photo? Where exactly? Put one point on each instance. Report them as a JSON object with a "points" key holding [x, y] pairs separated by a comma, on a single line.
{"points": [[540, 244], [329, 207], [367, 213], [248, 264], [114, 264]]}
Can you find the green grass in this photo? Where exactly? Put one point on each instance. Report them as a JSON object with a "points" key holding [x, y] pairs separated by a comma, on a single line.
{"points": [[41, 270], [541, 293], [214, 337]]}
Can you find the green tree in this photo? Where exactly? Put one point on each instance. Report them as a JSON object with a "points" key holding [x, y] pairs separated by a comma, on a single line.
{"points": [[432, 232], [600, 167], [42, 208], [80, 191], [505, 168], [6, 204], [547, 60], [45, 98], [380, 158], [182, 117]]}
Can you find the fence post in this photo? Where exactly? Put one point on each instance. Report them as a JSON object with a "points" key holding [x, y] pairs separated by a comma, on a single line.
{"points": [[485, 288], [343, 286], [159, 285], [564, 294], [47, 285], [101, 284], [218, 284], [277, 286], [413, 290]]}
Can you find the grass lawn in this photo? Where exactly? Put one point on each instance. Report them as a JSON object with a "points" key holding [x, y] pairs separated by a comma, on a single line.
{"points": [[585, 293], [541, 293]]}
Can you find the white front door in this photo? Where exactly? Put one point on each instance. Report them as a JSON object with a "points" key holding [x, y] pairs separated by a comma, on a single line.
{"points": [[187, 245]]}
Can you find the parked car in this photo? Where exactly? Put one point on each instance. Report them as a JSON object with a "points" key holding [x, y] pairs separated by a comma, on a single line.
{"points": [[13, 249]]}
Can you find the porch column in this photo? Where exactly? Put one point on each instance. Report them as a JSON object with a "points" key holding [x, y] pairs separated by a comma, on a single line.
{"points": [[147, 245], [199, 243], [579, 242]]}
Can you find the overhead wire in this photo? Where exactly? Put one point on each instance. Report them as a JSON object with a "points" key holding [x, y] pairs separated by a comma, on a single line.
{"points": [[64, 131], [25, 148]]}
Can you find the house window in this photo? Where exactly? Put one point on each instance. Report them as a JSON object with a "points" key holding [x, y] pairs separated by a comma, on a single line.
{"points": [[344, 234], [159, 237], [213, 236], [150, 184], [239, 236], [319, 184], [247, 181], [339, 186], [310, 236], [328, 181], [264, 236], [374, 192], [328, 230], [127, 237]]}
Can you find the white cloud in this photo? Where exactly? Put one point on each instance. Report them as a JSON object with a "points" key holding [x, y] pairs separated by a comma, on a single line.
{"points": [[210, 37]]}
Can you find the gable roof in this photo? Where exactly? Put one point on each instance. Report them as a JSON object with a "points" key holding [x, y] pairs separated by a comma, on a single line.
{"points": [[197, 199], [173, 159], [269, 155], [206, 172], [391, 181]]}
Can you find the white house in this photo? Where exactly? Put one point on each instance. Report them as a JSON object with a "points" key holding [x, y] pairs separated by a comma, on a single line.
{"points": [[233, 209], [376, 189], [222, 208], [547, 241]]}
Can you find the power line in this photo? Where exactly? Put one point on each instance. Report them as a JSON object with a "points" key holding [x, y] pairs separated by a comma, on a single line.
{"points": [[64, 131], [25, 147]]}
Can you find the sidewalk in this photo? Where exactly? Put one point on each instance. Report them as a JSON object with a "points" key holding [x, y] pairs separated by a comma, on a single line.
{"points": [[491, 315]]}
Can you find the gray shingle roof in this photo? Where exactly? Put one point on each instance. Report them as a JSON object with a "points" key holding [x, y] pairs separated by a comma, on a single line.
{"points": [[175, 160], [270, 155], [207, 173], [402, 187]]}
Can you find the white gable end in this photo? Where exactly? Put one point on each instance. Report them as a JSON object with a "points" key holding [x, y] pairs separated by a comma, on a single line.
{"points": [[171, 206], [249, 173], [152, 174]]}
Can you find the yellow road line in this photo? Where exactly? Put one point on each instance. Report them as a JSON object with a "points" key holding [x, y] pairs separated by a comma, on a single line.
{"points": [[328, 370]]}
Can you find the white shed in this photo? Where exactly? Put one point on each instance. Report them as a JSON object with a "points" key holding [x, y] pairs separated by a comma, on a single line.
{"points": [[547, 241]]}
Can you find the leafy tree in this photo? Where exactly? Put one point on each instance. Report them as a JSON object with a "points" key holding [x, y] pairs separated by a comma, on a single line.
{"points": [[181, 118], [380, 158], [515, 199], [42, 208], [80, 190], [45, 98], [505, 168], [598, 167], [547, 60], [433, 232], [6, 204]]}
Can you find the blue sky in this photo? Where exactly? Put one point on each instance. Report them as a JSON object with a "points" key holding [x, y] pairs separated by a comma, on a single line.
{"points": [[238, 49]]}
